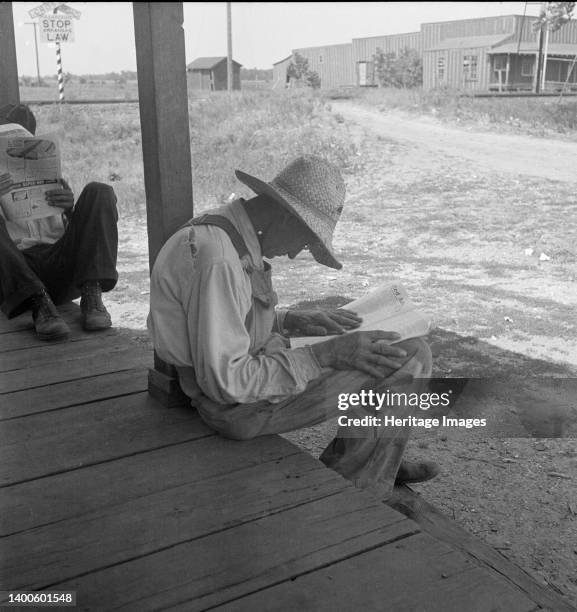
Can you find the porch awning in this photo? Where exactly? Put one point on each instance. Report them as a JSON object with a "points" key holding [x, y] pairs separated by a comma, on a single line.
{"points": [[469, 42], [532, 48]]}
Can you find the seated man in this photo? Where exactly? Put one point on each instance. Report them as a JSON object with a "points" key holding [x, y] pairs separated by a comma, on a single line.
{"points": [[212, 315], [58, 258]]}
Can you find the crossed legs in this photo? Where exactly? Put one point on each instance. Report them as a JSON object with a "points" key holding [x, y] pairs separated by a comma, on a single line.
{"points": [[367, 456]]}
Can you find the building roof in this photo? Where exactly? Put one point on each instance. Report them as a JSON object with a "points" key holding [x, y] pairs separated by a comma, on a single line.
{"points": [[387, 36], [469, 42], [207, 63], [532, 48], [288, 57]]}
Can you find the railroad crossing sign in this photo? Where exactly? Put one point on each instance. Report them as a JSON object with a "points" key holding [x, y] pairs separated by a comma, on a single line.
{"points": [[53, 7], [56, 21]]}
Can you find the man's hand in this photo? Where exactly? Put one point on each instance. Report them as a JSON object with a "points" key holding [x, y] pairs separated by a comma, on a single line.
{"points": [[64, 198], [320, 322], [367, 351], [5, 183]]}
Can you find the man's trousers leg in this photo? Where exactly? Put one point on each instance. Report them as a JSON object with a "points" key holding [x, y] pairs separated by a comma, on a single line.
{"points": [[86, 252], [366, 456], [18, 282]]}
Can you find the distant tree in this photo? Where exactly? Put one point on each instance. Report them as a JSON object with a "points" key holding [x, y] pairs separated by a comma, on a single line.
{"points": [[403, 70], [410, 68], [385, 69], [313, 79], [554, 15], [299, 71], [298, 68]]}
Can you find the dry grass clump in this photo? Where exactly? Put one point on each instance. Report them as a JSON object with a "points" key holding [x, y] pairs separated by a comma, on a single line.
{"points": [[259, 132]]}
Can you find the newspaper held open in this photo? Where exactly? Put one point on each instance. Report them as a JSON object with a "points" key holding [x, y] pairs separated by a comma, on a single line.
{"points": [[387, 308], [33, 163]]}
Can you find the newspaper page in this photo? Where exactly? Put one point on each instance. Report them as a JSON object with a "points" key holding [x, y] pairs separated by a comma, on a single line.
{"points": [[387, 308], [33, 165]]}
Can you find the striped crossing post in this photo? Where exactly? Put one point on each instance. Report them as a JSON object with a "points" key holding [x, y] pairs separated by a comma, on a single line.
{"points": [[60, 75]]}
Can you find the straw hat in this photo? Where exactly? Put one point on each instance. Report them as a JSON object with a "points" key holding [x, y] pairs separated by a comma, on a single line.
{"points": [[313, 190]]}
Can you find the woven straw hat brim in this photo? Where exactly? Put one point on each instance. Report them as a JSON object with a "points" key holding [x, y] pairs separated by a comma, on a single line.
{"points": [[322, 250]]}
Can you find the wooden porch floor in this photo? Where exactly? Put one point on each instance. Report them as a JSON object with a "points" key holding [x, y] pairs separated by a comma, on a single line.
{"points": [[137, 507]]}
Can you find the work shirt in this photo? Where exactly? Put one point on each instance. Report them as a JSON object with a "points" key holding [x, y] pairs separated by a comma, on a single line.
{"points": [[204, 320], [46, 230]]}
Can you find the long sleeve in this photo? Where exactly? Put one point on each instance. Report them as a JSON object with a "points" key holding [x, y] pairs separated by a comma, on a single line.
{"points": [[216, 308]]}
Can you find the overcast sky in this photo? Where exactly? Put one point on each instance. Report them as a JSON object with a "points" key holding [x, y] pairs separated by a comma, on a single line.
{"points": [[263, 32]]}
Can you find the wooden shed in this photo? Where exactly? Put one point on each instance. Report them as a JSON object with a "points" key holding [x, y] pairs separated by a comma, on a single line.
{"points": [[210, 74]]}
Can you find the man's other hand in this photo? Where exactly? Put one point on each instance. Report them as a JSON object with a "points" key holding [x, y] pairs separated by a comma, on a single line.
{"points": [[64, 198], [367, 351], [5, 183], [321, 322]]}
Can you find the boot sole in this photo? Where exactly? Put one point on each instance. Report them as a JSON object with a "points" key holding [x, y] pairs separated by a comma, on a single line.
{"points": [[91, 328], [52, 337]]}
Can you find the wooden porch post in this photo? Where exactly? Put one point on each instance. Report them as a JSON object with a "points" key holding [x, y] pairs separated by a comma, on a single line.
{"points": [[163, 100], [9, 93]]}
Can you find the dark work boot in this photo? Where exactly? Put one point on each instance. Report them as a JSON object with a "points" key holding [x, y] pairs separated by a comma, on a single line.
{"points": [[48, 324], [94, 314], [410, 472]]}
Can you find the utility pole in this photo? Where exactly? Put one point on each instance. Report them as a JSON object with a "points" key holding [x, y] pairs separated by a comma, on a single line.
{"points": [[229, 75], [539, 61], [33, 23], [545, 53]]}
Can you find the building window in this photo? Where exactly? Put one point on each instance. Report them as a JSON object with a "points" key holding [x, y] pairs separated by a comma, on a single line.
{"points": [[500, 62], [527, 66], [320, 59], [441, 68], [470, 67]]}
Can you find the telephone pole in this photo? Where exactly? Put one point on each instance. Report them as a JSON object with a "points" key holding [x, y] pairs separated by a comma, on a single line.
{"points": [[33, 23], [229, 75]]}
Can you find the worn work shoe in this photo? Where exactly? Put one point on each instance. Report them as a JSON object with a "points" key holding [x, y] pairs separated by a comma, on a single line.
{"points": [[48, 324], [94, 314], [411, 472]]}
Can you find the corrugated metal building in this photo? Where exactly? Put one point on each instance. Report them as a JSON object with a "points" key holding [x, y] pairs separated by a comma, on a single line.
{"points": [[513, 63], [279, 73], [489, 53], [364, 50], [333, 63], [494, 53], [210, 74]]}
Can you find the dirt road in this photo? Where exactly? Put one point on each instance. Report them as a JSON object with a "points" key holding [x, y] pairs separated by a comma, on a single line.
{"points": [[523, 155]]}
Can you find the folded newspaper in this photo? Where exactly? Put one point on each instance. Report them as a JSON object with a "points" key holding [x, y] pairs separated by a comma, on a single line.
{"points": [[387, 308], [33, 166]]}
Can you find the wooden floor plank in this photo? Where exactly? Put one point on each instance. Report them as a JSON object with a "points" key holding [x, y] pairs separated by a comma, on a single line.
{"points": [[69, 312], [234, 562], [120, 532], [415, 574], [72, 393], [26, 340], [67, 439], [93, 347], [72, 494], [120, 358]]}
